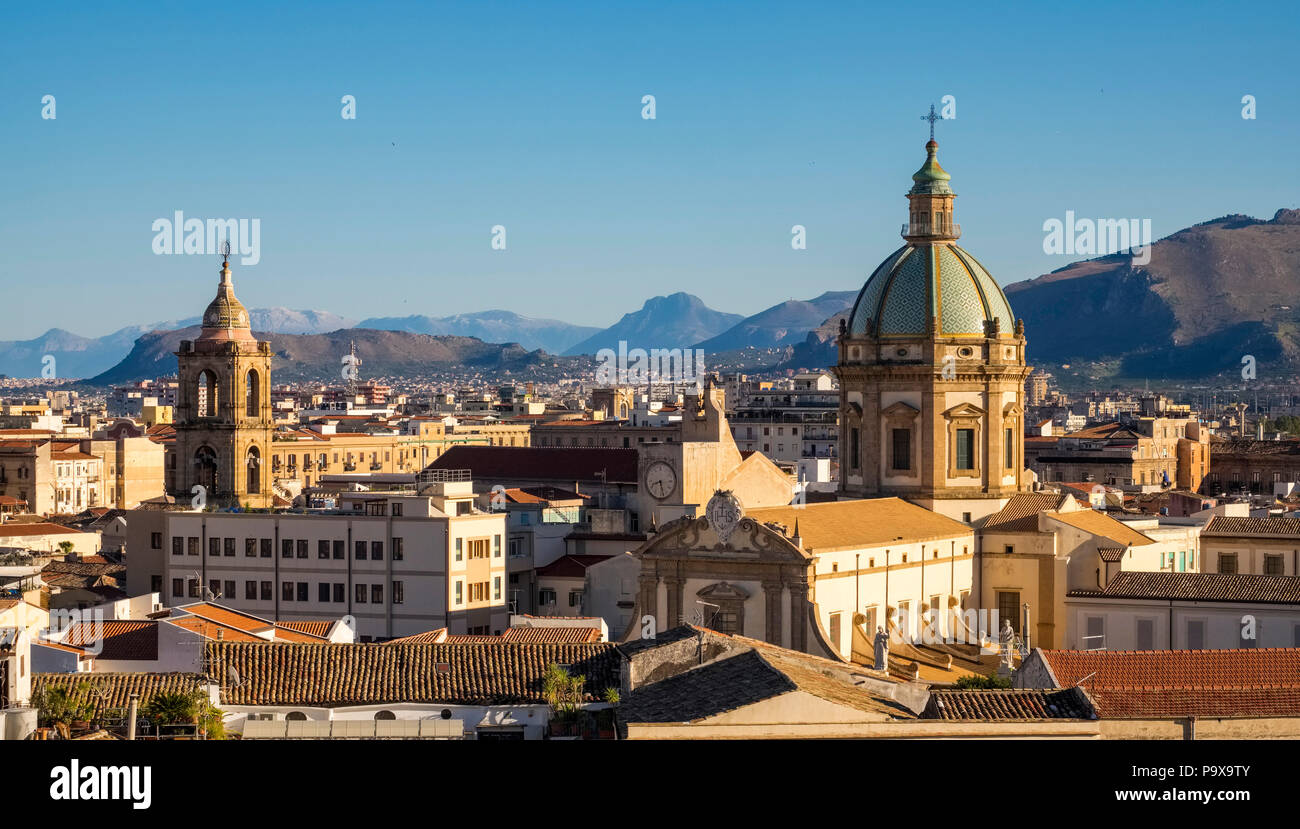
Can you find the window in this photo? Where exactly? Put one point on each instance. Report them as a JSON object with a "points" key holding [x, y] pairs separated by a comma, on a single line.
{"points": [[902, 449], [230, 592], [361, 594], [323, 591], [266, 548], [966, 449], [178, 545], [286, 548], [496, 546], [1196, 634], [460, 596], [1227, 562], [1273, 565], [458, 549], [496, 588], [338, 549], [377, 550], [397, 509], [575, 598], [193, 586], [1095, 637], [397, 547], [360, 550], [228, 547], [516, 547], [250, 591], [1009, 608], [340, 591], [398, 594], [835, 617], [322, 549], [1009, 548], [1010, 448], [214, 546], [250, 548], [302, 548], [155, 542], [178, 587], [376, 594], [214, 587], [546, 596], [853, 448], [1146, 634], [286, 591], [267, 589]]}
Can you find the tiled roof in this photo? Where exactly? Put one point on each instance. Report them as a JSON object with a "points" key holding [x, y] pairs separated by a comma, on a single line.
{"points": [[512, 463], [1101, 524], [874, 522], [245, 621], [1224, 526], [570, 566], [1136, 703], [471, 639], [319, 628], [737, 680], [1234, 668], [551, 635], [1008, 704], [114, 690], [130, 640], [1199, 587], [1111, 553], [10, 530], [211, 630], [355, 674], [1021, 512], [1255, 682], [542, 494], [429, 637]]}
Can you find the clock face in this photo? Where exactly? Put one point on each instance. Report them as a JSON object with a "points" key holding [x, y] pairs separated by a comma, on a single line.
{"points": [[660, 480]]}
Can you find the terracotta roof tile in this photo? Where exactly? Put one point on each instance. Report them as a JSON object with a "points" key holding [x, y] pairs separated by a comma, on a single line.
{"points": [[551, 635], [1019, 704], [873, 522], [355, 674], [118, 640], [1225, 526], [114, 690]]}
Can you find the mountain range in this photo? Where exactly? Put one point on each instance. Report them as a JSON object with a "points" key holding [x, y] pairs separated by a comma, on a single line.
{"points": [[1209, 295]]}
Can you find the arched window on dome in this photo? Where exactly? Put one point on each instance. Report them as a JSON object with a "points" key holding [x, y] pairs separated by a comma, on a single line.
{"points": [[253, 394], [206, 394]]}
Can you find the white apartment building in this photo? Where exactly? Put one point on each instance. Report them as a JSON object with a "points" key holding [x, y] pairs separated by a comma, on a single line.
{"points": [[399, 564]]}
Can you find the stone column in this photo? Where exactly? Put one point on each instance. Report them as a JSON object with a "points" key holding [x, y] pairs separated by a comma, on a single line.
{"points": [[799, 615], [676, 615], [772, 612]]}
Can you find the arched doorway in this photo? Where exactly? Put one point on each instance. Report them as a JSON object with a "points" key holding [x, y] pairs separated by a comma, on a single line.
{"points": [[254, 464]]}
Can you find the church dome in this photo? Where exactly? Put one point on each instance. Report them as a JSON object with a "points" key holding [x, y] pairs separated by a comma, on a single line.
{"points": [[930, 286], [225, 317], [921, 285]]}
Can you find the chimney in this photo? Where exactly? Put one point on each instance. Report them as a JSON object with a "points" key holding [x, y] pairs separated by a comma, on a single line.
{"points": [[132, 709]]}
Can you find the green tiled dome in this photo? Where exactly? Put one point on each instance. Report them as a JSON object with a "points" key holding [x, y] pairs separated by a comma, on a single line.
{"points": [[921, 283]]}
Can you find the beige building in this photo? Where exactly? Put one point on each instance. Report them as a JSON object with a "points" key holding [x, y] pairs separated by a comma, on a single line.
{"points": [[399, 564], [1258, 546]]}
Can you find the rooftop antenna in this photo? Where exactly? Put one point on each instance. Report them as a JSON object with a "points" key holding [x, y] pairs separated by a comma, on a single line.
{"points": [[225, 252], [932, 117]]}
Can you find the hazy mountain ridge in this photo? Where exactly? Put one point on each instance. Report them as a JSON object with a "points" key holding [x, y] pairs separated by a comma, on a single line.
{"points": [[675, 321], [318, 357], [497, 326]]}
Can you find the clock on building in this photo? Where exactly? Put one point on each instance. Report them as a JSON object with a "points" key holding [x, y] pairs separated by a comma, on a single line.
{"points": [[660, 480]]}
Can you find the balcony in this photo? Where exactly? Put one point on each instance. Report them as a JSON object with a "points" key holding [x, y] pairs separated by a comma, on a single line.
{"points": [[943, 230]]}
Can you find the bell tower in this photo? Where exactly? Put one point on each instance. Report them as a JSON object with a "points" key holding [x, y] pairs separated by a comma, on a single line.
{"points": [[223, 413]]}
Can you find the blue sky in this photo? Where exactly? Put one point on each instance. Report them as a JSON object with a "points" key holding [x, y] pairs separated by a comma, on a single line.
{"points": [[471, 115]]}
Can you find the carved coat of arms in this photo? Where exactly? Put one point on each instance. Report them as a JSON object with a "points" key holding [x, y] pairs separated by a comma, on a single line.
{"points": [[723, 513]]}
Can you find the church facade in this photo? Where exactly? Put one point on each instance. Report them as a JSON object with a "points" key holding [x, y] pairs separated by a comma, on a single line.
{"points": [[223, 415], [932, 371]]}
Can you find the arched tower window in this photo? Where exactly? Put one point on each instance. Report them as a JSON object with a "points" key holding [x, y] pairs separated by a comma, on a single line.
{"points": [[253, 404], [206, 394], [205, 468], [254, 464]]}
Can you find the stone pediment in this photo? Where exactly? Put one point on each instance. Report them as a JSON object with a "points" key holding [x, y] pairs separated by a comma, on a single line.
{"points": [[723, 591], [750, 540], [900, 410], [1013, 409], [964, 410]]}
